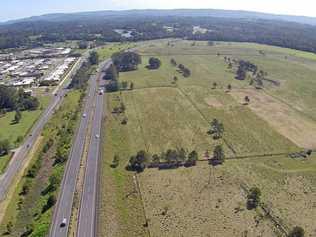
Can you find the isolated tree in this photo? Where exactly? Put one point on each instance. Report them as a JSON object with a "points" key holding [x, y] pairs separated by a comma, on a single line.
{"points": [[217, 129], [247, 100], [175, 79], [154, 63], [229, 87], [173, 62], [17, 116], [297, 232], [131, 86], [214, 85], [253, 198], [115, 161], [4, 147], [218, 154], [94, 58]]}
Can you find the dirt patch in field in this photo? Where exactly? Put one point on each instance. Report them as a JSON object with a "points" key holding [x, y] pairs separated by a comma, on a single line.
{"points": [[285, 120], [198, 201], [213, 102]]}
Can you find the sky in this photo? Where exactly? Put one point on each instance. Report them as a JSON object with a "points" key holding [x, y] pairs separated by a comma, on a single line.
{"points": [[14, 9]]}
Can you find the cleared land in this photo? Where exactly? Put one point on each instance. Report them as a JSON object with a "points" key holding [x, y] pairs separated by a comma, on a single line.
{"points": [[16, 132], [204, 200], [285, 120], [12, 131]]}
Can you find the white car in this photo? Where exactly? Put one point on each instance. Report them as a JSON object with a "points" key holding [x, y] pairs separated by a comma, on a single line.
{"points": [[63, 223], [97, 136], [84, 115]]}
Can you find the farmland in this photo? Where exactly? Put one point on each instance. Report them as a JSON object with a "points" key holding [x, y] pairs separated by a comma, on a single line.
{"points": [[163, 113]]}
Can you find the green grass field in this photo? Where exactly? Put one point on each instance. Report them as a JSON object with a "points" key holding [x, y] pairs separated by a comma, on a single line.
{"points": [[163, 115], [12, 131], [106, 51]]}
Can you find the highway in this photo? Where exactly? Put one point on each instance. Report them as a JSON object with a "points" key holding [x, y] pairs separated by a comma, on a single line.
{"points": [[21, 154], [64, 205], [87, 211]]}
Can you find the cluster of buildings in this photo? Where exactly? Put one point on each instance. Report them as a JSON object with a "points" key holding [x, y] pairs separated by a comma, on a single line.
{"points": [[35, 67], [57, 74]]}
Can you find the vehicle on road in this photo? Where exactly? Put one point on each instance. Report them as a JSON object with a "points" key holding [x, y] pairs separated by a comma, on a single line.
{"points": [[84, 115], [97, 136], [63, 223]]}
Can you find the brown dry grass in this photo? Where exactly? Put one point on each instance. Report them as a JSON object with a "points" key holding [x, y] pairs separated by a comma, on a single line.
{"points": [[199, 201], [288, 122], [213, 102]]}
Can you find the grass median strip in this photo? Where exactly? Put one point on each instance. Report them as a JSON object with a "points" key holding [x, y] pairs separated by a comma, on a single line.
{"points": [[30, 211]]}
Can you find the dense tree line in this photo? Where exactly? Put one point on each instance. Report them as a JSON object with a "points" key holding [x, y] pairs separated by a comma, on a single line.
{"points": [[80, 79], [15, 99], [172, 158], [273, 32]]}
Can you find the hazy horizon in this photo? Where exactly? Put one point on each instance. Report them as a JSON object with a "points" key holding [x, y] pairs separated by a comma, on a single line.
{"points": [[17, 9]]}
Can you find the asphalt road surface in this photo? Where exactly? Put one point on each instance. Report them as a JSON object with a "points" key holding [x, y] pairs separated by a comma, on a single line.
{"points": [[64, 205], [87, 217], [20, 156]]}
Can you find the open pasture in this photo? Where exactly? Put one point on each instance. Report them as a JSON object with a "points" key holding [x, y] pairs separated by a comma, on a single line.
{"points": [[163, 113]]}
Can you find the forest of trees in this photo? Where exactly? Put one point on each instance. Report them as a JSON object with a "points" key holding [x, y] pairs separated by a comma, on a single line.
{"points": [[272, 32], [15, 99]]}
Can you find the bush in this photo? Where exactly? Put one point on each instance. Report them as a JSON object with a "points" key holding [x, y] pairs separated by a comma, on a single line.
{"points": [[4, 147], [26, 188], [253, 198], [297, 232], [115, 161], [50, 202]]}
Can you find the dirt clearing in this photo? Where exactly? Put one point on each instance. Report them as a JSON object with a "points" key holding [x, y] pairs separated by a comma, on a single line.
{"points": [[213, 102], [285, 120]]}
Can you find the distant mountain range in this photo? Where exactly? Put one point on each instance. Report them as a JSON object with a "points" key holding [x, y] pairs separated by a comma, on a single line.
{"points": [[99, 15]]}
